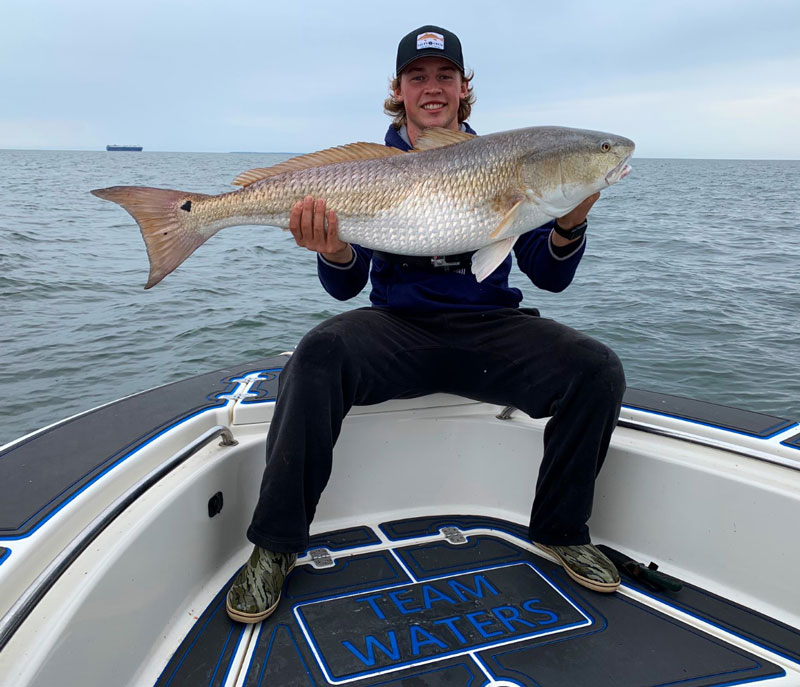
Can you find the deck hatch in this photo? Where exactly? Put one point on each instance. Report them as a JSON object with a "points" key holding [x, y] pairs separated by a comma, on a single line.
{"points": [[390, 628]]}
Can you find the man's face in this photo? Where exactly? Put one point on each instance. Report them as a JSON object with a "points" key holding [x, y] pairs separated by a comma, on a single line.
{"points": [[431, 88]]}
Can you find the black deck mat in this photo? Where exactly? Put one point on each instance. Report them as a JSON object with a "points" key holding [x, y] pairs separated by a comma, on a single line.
{"points": [[340, 540], [728, 615], [426, 525], [204, 657], [740, 620], [628, 644], [736, 419], [486, 606], [38, 475]]}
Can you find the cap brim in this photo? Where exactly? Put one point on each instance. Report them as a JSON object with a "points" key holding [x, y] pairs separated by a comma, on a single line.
{"points": [[433, 52]]}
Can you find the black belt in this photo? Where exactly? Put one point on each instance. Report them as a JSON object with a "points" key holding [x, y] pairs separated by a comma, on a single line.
{"points": [[437, 263]]}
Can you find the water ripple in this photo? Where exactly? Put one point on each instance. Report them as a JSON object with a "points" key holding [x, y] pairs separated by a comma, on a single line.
{"points": [[690, 275]]}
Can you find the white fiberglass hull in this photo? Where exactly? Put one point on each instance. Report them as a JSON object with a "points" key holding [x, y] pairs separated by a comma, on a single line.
{"points": [[713, 507]]}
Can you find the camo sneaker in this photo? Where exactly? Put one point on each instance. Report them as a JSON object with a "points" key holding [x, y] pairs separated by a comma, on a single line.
{"points": [[587, 565], [256, 591]]}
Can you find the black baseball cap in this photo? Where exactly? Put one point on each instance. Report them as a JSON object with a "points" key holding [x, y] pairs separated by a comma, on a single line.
{"points": [[429, 40]]}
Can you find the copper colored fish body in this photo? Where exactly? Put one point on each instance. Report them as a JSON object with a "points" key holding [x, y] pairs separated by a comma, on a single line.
{"points": [[455, 193]]}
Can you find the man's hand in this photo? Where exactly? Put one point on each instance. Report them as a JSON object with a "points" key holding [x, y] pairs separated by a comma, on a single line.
{"points": [[317, 230], [573, 219]]}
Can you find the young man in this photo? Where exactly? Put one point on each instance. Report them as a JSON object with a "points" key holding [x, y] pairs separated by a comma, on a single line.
{"points": [[433, 327]]}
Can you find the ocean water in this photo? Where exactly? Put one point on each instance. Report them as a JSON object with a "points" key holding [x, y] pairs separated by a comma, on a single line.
{"points": [[692, 274]]}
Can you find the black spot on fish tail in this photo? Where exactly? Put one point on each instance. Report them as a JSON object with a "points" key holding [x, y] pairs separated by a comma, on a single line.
{"points": [[187, 206]]}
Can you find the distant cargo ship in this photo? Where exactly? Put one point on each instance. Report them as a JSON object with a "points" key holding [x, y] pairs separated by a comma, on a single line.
{"points": [[134, 148]]}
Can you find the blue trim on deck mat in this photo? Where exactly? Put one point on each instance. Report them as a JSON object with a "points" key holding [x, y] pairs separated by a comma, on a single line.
{"points": [[620, 626]]}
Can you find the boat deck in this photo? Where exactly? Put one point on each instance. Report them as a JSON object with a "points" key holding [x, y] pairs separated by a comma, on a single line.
{"points": [[404, 604], [112, 533]]}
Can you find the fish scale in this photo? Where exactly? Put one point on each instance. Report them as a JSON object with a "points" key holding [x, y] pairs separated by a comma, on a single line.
{"points": [[456, 193]]}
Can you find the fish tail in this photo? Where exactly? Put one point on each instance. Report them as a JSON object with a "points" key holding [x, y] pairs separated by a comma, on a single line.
{"points": [[163, 217]]}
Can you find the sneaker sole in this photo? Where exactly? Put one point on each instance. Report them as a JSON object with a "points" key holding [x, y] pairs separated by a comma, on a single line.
{"points": [[251, 618], [602, 587]]}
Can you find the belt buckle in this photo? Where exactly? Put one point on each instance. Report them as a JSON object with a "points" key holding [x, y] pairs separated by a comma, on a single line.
{"points": [[438, 261]]}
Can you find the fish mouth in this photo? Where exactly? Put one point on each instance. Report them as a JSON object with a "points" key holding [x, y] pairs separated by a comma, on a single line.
{"points": [[619, 172]]}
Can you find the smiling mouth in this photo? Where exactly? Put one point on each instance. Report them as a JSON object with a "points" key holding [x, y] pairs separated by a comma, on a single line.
{"points": [[433, 106]]}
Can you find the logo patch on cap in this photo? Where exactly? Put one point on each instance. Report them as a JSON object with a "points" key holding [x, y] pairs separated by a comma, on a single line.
{"points": [[430, 40]]}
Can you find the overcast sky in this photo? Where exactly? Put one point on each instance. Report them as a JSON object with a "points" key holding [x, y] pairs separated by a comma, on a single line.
{"points": [[696, 78]]}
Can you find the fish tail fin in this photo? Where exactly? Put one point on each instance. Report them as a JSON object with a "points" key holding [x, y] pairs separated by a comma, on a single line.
{"points": [[163, 217]]}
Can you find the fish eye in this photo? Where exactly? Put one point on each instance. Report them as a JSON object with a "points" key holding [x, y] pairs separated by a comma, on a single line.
{"points": [[605, 146]]}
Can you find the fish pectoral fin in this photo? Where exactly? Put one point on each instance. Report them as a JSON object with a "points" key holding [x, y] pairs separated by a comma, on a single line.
{"points": [[345, 153], [437, 137], [507, 220], [488, 259]]}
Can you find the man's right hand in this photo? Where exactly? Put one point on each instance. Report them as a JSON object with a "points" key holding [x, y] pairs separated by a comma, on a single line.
{"points": [[317, 230]]}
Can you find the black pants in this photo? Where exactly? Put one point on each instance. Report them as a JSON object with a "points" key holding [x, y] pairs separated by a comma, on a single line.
{"points": [[506, 357]]}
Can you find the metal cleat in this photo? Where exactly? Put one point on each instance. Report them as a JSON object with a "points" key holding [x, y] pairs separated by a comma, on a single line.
{"points": [[454, 535], [321, 558]]}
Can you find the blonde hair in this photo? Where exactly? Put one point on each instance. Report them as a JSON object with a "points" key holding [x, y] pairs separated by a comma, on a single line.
{"points": [[397, 110]]}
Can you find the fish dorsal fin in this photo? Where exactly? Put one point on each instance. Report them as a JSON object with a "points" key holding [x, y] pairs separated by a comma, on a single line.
{"points": [[437, 137], [345, 153]]}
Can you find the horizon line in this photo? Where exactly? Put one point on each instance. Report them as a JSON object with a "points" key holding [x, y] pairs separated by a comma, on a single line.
{"points": [[279, 152]]}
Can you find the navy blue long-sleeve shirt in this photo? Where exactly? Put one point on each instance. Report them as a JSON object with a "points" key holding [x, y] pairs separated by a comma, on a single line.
{"points": [[397, 287]]}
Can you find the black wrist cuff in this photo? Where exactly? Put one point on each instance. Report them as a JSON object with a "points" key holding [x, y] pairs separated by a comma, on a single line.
{"points": [[570, 234]]}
